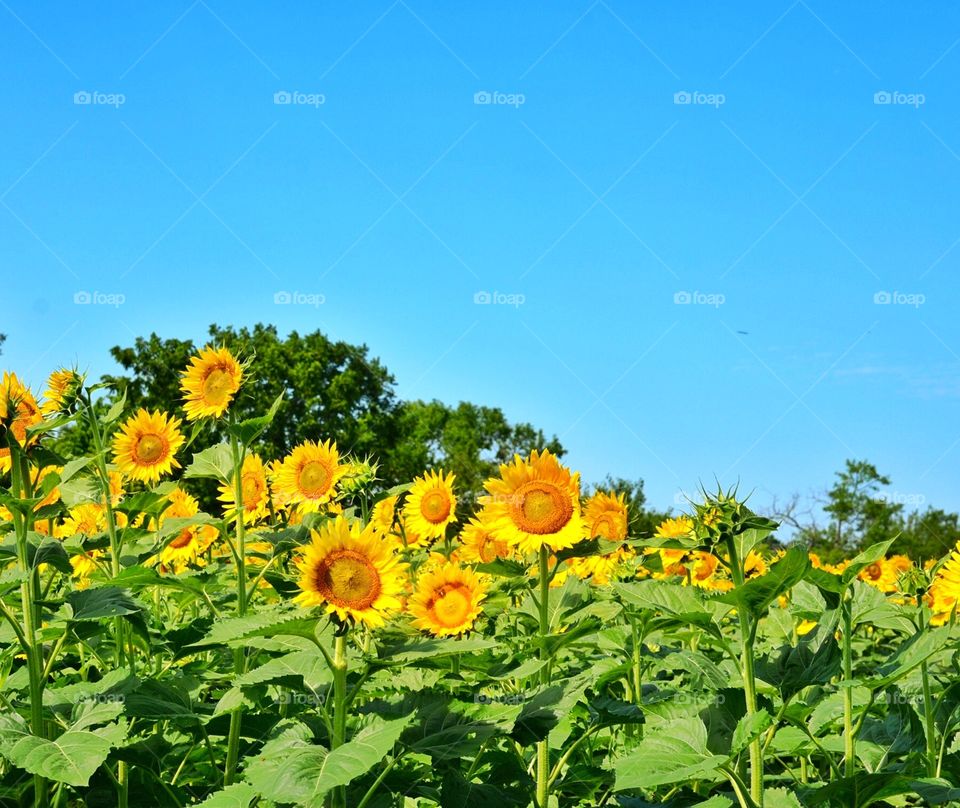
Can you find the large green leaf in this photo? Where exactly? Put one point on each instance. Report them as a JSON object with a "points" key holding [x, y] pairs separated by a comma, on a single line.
{"points": [[673, 752], [71, 758], [239, 795], [912, 652], [758, 593], [215, 462]]}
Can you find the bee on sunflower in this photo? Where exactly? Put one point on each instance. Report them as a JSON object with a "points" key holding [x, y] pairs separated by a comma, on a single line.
{"points": [[448, 600]]}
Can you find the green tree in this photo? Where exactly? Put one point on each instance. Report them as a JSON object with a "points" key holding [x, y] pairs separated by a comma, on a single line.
{"points": [[861, 514], [331, 389], [928, 534]]}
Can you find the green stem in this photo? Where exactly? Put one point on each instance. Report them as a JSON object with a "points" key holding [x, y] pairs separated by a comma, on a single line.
{"points": [[339, 797], [747, 633], [928, 718], [543, 747], [123, 779], [20, 483], [849, 740], [240, 556]]}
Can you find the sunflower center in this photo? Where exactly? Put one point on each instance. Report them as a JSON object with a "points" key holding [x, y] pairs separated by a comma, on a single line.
{"points": [[149, 448], [348, 579], [251, 489], [183, 540], [451, 605], [217, 386], [435, 506], [314, 478], [540, 508], [874, 571]]}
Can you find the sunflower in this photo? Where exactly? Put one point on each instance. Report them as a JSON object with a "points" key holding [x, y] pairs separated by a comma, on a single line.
{"points": [[62, 388], [893, 568], [754, 565], [88, 518], [181, 505], [187, 547], [383, 516], [601, 568], [145, 447], [680, 527], [703, 570], [18, 411], [308, 475], [944, 594], [447, 600], [535, 503], [431, 505], [84, 565], [256, 493], [354, 573], [210, 382], [479, 546], [873, 574], [406, 538], [606, 515]]}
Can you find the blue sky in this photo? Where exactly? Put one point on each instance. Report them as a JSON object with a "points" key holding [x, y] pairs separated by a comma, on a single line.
{"points": [[539, 156]]}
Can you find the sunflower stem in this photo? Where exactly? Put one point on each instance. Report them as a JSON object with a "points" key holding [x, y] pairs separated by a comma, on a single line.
{"points": [[123, 774], [747, 630], [239, 656], [849, 741], [33, 649], [339, 797], [543, 747]]}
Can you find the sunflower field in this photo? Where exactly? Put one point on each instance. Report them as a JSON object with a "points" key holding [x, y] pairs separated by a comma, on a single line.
{"points": [[222, 629]]}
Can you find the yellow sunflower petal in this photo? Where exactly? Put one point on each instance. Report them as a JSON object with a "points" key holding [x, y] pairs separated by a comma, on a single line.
{"points": [[210, 382], [145, 445]]}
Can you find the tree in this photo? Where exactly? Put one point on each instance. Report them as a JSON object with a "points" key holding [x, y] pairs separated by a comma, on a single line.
{"points": [[331, 389], [926, 535], [861, 514]]}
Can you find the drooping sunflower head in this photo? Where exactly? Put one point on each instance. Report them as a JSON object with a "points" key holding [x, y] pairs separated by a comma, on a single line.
{"points": [[431, 504], [943, 597], [447, 600], [88, 518], [703, 569], [383, 516], [535, 502], [254, 490], [606, 515], [210, 382], [18, 411], [187, 547], [63, 386], [353, 573], [478, 545], [308, 476], [145, 446]]}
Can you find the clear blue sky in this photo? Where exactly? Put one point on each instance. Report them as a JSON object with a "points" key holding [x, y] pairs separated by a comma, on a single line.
{"points": [[782, 199]]}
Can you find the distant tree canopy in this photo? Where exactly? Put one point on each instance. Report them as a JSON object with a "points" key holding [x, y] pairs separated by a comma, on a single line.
{"points": [[331, 389], [862, 513]]}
